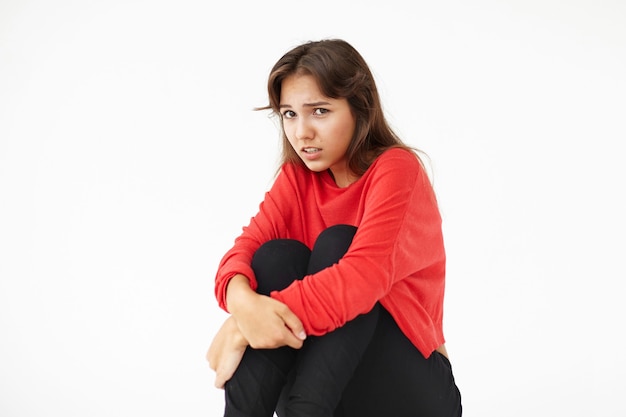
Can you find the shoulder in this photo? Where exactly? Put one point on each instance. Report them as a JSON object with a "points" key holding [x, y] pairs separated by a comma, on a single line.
{"points": [[292, 169], [400, 170], [294, 173], [397, 162], [292, 176], [401, 156]]}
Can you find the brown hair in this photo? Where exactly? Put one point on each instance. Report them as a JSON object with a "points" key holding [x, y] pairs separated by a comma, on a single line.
{"points": [[341, 72]]}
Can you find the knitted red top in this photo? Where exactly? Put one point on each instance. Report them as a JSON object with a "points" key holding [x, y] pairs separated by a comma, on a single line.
{"points": [[397, 255]]}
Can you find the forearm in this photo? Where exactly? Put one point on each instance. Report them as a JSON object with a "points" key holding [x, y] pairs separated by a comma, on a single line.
{"points": [[263, 322], [238, 293], [226, 351]]}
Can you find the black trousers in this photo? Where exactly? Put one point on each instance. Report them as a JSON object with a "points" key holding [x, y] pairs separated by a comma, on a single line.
{"points": [[365, 368]]}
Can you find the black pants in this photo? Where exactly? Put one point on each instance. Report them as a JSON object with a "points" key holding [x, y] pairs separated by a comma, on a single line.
{"points": [[365, 368]]}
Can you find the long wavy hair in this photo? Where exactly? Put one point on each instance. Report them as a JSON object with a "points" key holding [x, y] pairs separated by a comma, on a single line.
{"points": [[341, 72]]}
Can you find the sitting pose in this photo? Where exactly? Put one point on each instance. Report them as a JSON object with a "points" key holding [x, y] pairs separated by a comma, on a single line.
{"points": [[335, 289]]}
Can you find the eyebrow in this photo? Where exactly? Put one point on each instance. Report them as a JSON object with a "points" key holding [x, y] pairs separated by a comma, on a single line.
{"points": [[316, 104]]}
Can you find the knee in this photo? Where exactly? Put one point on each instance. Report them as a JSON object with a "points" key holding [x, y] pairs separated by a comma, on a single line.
{"points": [[335, 240], [338, 233], [281, 250], [278, 262]]}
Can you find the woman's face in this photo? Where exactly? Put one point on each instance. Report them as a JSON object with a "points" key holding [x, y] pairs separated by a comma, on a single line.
{"points": [[318, 128]]}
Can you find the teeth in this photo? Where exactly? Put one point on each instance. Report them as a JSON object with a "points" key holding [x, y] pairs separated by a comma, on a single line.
{"points": [[311, 150]]}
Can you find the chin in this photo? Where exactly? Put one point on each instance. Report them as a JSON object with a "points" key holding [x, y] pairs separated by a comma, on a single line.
{"points": [[316, 168]]}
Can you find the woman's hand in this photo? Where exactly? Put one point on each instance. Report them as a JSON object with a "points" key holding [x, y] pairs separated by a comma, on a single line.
{"points": [[265, 323], [256, 320], [226, 351]]}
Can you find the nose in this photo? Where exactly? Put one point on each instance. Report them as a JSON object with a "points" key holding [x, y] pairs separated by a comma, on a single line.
{"points": [[304, 130]]}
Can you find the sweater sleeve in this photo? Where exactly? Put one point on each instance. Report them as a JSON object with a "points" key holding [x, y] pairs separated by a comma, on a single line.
{"points": [[398, 236], [269, 223]]}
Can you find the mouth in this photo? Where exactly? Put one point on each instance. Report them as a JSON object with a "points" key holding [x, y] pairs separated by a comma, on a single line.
{"points": [[311, 150]]}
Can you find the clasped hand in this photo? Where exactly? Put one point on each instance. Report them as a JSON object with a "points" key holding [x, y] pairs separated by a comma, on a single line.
{"points": [[257, 321], [266, 323]]}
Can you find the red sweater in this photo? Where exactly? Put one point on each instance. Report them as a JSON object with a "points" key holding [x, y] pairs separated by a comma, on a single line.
{"points": [[397, 255]]}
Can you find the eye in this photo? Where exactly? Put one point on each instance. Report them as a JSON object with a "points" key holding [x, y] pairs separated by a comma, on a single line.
{"points": [[289, 114], [319, 111]]}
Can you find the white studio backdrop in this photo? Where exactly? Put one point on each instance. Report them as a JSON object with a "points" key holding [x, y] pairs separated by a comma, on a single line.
{"points": [[130, 158]]}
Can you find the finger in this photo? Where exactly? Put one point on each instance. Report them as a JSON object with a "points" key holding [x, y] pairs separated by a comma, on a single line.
{"points": [[291, 340], [209, 358], [293, 323], [212, 356], [228, 366], [219, 382]]}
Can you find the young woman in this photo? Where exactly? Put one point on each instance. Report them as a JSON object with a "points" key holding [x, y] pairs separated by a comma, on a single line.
{"points": [[336, 286]]}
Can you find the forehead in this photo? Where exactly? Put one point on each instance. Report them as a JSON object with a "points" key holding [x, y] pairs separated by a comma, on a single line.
{"points": [[300, 87]]}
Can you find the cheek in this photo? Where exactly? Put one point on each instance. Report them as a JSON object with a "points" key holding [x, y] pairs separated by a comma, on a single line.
{"points": [[346, 133], [287, 133], [290, 139]]}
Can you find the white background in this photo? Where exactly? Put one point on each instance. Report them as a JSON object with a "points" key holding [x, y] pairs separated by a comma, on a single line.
{"points": [[130, 159]]}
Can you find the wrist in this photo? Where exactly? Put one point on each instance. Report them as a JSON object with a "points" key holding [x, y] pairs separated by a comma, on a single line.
{"points": [[237, 337], [238, 293]]}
